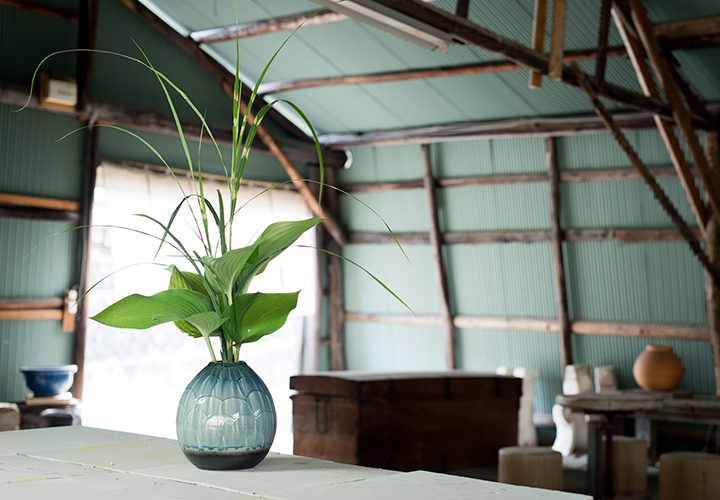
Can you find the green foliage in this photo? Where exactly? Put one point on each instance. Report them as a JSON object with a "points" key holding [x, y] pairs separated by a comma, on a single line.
{"points": [[213, 301]]}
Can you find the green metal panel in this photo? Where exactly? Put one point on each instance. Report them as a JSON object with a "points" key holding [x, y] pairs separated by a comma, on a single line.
{"points": [[621, 204], [489, 157], [655, 282], [32, 162], [404, 211], [27, 37], [388, 164], [512, 279], [46, 272], [495, 207], [29, 343], [378, 347], [581, 152], [697, 68], [621, 352], [118, 145], [486, 350], [414, 282]]}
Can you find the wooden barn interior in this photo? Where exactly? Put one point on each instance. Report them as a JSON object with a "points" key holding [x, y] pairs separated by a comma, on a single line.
{"points": [[550, 168]]}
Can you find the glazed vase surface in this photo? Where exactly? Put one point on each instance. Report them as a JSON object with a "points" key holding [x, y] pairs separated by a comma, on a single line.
{"points": [[226, 418], [658, 368]]}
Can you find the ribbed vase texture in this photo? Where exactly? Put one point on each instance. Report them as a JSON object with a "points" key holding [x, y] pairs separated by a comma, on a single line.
{"points": [[226, 418]]}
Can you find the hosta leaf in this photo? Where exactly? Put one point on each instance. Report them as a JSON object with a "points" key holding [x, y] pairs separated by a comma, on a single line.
{"points": [[187, 281], [254, 315], [271, 243], [139, 311], [207, 323], [222, 272]]}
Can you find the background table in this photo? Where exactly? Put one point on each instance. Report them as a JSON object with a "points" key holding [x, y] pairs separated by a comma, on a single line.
{"points": [[84, 463]]}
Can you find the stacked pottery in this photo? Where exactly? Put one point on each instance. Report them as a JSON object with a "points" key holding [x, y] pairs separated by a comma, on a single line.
{"points": [[658, 368]]}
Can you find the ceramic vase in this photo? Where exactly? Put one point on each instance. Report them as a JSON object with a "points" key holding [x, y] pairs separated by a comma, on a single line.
{"points": [[658, 368], [226, 418]]}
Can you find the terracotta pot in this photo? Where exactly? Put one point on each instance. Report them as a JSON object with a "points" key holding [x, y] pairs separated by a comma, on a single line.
{"points": [[658, 368]]}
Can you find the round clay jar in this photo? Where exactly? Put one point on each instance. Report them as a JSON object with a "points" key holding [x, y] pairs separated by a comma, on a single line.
{"points": [[658, 368]]}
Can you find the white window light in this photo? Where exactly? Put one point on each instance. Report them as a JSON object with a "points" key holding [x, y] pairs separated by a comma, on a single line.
{"points": [[393, 22]]}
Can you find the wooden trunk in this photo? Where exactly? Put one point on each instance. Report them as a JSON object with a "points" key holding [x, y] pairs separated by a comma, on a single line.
{"points": [[405, 421]]}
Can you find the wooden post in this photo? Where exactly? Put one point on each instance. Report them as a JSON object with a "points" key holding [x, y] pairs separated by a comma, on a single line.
{"points": [[602, 43], [87, 29], [557, 41], [538, 39], [336, 305], [565, 338], [436, 243], [712, 246], [88, 187], [462, 8]]}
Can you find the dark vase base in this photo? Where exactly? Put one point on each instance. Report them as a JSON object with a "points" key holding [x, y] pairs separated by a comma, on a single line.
{"points": [[225, 460]]}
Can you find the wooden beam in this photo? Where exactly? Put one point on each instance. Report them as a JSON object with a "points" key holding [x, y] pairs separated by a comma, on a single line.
{"points": [[267, 26], [538, 39], [609, 174], [42, 9], [680, 114], [557, 40], [657, 191], [712, 247], [38, 202], [566, 357], [436, 244], [647, 83], [31, 303], [30, 314], [491, 237], [678, 30], [602, 42], [462, 8], [643, 330], [420, 73]]}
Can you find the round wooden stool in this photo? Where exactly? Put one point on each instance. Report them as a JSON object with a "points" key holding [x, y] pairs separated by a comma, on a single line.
{"points": [[685, 475], [530, 466], [629, 462]]}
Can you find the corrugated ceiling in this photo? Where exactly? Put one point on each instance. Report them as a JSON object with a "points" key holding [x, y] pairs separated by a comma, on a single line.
{"points": [[348, 48]]}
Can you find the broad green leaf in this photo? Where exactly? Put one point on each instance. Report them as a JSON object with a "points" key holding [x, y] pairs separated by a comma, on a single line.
{"points": [[271, 243], [139, 311], [207, 323], [222, 272], [254, 315], [187, 281]]}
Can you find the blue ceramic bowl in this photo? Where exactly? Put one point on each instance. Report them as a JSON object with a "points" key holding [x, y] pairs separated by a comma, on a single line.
{"points": [[49, 380]]}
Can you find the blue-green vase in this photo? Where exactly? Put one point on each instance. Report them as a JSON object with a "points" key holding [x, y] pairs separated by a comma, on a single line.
{"points": [[226, 418]]}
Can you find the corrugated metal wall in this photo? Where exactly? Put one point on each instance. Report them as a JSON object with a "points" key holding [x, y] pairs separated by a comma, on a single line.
{"points": [[633, 282], [32, 163]]}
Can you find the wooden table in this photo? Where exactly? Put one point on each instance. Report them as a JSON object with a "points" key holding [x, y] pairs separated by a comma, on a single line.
{"points": [[81, 463], [604, 407]]}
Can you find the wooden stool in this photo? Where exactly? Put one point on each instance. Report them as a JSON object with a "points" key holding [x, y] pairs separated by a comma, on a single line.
{"points": [[530, 466], [629, 462], [685, 475]]}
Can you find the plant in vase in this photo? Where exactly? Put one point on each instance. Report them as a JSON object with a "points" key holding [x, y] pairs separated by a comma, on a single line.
{"points": [[226, 416]]}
